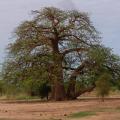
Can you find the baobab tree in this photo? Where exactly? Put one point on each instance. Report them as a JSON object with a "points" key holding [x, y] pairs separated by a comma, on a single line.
{"points": [[55, 46]]}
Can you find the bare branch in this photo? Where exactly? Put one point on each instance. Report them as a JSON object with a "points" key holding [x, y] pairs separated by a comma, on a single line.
{"points": [[74, 50]]}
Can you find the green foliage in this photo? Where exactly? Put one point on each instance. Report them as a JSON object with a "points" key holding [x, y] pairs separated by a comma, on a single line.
{"points": [[99, 54], [82, 114], [24, 96], [103, 85], [37, 88]]}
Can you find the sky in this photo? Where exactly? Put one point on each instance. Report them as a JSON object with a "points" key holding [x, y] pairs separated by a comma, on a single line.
{"points": [[105, 15]]}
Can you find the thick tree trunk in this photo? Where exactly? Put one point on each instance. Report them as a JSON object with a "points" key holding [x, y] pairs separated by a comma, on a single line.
{"points": [[58, 87], [58, 90]]}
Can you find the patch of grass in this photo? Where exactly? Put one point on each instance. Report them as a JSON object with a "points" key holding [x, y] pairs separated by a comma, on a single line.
{"points": [[82, 114], [118, 108], [25, 97], [21, 96]]}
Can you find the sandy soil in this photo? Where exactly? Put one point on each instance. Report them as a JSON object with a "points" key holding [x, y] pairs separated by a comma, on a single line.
{"points": [[59, 110]]}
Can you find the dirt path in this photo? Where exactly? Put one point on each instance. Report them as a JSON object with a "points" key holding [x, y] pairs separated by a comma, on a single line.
{"points": [[109, 110]]}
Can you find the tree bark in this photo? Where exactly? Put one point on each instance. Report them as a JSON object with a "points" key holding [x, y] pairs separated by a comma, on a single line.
{"points": [[58, 81], [71, 91], [59, 90]]}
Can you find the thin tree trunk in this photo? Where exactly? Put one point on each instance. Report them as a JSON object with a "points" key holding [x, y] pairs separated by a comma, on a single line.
{"points": [[52, 95], [71, 89], [73, 94]]}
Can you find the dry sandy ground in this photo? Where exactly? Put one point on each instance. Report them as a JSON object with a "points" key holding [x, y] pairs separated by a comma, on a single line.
{"points": [[109, 110]]}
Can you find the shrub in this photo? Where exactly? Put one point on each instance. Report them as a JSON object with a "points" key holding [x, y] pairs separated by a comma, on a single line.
{"points": [[103, 85], [37, 88]]}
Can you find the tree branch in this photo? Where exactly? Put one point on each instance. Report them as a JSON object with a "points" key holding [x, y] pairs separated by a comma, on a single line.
{"points": [[89, 89], [74, 50], [78, 70], [69, 68]]}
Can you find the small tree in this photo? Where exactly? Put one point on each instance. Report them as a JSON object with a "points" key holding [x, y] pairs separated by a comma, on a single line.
{"points": [[103, 85]]}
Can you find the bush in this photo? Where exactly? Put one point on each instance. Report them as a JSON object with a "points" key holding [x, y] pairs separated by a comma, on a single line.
{"points": [[103, 85], [37, 88]]}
